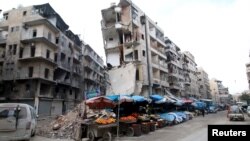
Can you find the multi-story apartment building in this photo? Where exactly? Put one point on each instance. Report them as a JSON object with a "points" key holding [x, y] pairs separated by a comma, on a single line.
{"points": [[203, 84], [94, 83], [218, 91], [190, 75], [42, 61], [175, 68], [131, 36]]}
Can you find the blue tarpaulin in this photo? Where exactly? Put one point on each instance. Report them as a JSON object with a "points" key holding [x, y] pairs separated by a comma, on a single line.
{"points": [[156, 97], [138, 98]]}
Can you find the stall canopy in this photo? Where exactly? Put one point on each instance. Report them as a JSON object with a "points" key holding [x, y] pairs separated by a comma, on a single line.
{"points": [[120, 98], [138, 98], [100, 102], [156, 97]]}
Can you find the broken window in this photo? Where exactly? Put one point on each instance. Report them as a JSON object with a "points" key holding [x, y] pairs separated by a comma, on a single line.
{"points": [[12, 29], [30, 71], [143, 53], [137, 74], [6, 16], [57, 40], [21, 53], [142, 36], [24, 13], [27, 87], [34, 33], [46, 73], [118, 17], [14, 49], [69, 60], [48, 53], [136, 54], [32, 51], [55, 57], [10, 49]]}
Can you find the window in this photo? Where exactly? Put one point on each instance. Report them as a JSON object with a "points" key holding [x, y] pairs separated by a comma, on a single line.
{"points": [[69, 60], [34, 33], [46, 73], [27, 87], [143, 53], [6, 16], [47, 54], [137, 74], [24, 13], [70, 92], [14, 49], [142, 36], [136, 54], [12, 29], [10, 49], [57, 40], [32, 51], [21, 53], [30, 71], [55, 57], [49, 36], [110, 39]]}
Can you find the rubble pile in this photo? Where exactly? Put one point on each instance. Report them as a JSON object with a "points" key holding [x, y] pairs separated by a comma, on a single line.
{"points": [[63, 126]]}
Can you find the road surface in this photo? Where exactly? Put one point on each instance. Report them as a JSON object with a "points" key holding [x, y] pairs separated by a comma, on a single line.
{"points": [[192, 130]]}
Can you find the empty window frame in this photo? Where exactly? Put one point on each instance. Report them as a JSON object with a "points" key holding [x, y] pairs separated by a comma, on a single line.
{"points": [[32, 51], [46, 73], [34, 33], [48, 54], [30, 73]]}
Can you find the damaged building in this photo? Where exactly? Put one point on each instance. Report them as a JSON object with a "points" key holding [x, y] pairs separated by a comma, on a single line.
{"points": [[175, 68], [41, 60], [130, 36], [203, 82], [94, 80]]}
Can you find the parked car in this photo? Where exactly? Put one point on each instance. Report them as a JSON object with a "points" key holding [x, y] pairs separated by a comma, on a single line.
{"points": [[235, 113], [17, 121], [248, 111]]}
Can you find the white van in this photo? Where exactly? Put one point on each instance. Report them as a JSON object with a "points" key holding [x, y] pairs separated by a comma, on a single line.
{"points": [[17, 121]]}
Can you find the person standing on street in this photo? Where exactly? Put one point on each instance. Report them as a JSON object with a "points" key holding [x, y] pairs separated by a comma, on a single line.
{"points": [[203, 112]]}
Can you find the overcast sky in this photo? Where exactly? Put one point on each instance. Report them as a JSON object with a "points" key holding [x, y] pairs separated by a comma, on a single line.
{"points": [[216, 32]]}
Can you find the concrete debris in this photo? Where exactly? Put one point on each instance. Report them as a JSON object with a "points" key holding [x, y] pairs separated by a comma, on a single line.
{"points": [[63, 126]]}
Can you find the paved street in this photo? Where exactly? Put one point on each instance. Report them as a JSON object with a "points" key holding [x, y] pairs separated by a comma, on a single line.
{"points": [[193, 130]]}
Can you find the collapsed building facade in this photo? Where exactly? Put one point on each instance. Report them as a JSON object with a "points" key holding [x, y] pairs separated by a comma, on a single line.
{"points": [[41, 60], [131, 36]]}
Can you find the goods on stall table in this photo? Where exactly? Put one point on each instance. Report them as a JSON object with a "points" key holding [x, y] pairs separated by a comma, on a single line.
{"points": [[127, 119], [105, 120]]}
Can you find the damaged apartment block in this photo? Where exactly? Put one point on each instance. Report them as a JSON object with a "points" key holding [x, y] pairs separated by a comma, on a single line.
{"points": [[130, 36], [41, 60]]}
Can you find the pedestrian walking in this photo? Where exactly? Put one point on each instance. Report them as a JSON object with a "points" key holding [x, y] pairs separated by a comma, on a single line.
{"points": [[203, 112]]}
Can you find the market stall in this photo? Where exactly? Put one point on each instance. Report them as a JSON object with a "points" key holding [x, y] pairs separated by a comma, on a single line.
{"points": [[101, 120]]}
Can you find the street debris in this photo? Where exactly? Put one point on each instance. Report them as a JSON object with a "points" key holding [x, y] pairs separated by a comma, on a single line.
{"points": [[62, 126]]}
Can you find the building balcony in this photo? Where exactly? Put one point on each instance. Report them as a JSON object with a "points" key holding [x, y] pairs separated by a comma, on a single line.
{"points": [[38, 20], [175, 85], [24, 76], [64, 66], [38, 58], [4, 24], [90, 55], [158, 52], [175, 63], [64, 82], [39, 38]]}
